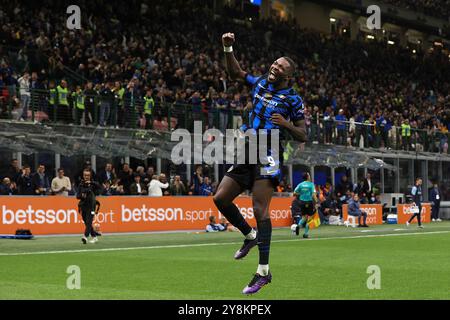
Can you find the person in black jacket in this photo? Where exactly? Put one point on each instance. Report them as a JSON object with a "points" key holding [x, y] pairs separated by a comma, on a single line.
{"points": [[106, 101], [87, 192], [342, 190], [86, 166], [14, 171], [89, 104], [37, 87], [126, 178], [40, 181], [367, 186], [130, 97], [343, 187], [24, 182], [435, 199], [108, 174]]}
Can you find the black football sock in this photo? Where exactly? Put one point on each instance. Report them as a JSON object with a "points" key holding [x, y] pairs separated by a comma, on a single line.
{"points": [[234, 216], [264, 237]]}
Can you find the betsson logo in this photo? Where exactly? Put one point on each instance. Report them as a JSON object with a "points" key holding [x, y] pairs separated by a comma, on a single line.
{"points": [[411, 209], [61, 216], [179, 214], [39, 216]]}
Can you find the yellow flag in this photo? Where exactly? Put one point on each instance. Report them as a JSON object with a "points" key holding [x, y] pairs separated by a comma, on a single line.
{"points": [[314, 221]]}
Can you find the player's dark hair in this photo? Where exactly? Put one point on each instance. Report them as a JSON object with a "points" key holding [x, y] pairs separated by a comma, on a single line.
{"points": [[292, 64], [306, 176]]}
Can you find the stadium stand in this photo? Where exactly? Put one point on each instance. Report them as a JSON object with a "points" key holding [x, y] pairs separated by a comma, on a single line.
{"points": [[440, 9], [333, 71]]}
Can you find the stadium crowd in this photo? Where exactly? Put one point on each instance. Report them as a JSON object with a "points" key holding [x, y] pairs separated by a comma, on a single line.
{"points": [[125, 181], [133, 61], [434, 8]]}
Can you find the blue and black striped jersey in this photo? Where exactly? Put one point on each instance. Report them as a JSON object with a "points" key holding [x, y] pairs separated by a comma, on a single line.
{"points": [[267, 101]]}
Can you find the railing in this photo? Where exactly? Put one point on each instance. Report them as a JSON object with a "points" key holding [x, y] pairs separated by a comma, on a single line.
{"points": [[129, 112], [377, 136]]}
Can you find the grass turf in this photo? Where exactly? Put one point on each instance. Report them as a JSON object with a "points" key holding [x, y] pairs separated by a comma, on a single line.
{"points": [[332, 265]]}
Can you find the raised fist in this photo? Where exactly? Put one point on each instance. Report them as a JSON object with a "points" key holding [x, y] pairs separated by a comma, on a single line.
{"points": [[228, 39]]}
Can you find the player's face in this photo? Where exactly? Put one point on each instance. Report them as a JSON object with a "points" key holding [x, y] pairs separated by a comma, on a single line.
{"points": [[279, 70], [87, 176]]}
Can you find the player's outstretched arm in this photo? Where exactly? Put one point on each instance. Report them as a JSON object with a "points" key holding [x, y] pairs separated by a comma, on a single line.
{"points": [[232, 65]]}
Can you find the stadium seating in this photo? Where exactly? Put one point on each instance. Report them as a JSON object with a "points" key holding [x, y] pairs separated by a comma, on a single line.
{"points": [[435, 8], [355, 76]]}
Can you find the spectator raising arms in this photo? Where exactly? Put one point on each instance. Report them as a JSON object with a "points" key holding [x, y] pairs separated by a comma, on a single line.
{"points": [[24, 182], [155, 187], [177, 188]]}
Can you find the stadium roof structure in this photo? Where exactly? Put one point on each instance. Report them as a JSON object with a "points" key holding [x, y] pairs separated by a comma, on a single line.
{"points": [[335, 157], [71, 140]]}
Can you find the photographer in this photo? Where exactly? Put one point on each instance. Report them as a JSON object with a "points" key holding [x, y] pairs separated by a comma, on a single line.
{"points": [[87, 191]]}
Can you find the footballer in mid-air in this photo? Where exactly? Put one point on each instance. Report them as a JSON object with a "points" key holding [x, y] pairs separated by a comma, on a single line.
{"points": [[276, 105]]}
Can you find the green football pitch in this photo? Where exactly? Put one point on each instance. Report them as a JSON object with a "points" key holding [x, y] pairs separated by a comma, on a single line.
{"points": [[333, 264]]}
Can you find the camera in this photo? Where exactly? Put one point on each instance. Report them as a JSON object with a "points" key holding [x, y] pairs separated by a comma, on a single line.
{"points": [[85, 188]]}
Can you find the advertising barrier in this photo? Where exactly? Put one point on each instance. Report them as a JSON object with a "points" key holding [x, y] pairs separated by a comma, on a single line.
{"points": [[59, 215], [374, 213], [404, 212]]}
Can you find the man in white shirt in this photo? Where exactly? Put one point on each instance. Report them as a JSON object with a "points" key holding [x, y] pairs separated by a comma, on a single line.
{"points": [[155, 187], [61, 185]]}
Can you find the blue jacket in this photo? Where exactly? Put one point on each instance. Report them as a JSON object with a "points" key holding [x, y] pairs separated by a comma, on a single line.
{"points": [[6, 191], [434, 194], [360, 119], [383, 123], [205, 189], [353, 208], [340, 125]]}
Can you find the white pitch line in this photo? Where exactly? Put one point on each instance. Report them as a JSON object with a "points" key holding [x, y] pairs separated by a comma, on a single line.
{"points": [[215, 244]]}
